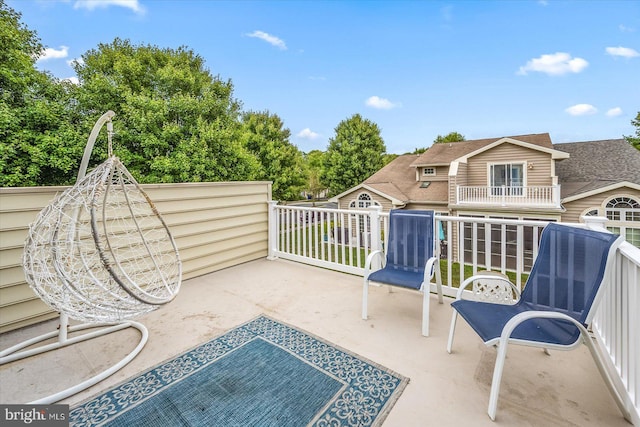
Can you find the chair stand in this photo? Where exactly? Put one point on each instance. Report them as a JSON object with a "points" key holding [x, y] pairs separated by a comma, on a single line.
{"points": [[12, 354]]}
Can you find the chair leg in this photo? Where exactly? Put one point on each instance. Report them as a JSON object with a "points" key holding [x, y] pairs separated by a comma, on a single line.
{"points": [[452, 330], [365, 297], [425, 311], [620, 401], [497, 378], [438, 282]]}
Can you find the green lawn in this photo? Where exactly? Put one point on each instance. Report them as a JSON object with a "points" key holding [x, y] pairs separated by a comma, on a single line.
{"points": [[315, 245]]}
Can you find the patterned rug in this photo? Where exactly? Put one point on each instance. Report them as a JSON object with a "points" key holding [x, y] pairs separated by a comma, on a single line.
{"points": [[263, 373]]}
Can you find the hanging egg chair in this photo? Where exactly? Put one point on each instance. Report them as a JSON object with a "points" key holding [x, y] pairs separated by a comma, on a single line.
{"points": [[99, 253]]}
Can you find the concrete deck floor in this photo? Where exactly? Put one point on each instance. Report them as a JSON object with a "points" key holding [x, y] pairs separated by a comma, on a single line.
{"points": [[564, 389]]}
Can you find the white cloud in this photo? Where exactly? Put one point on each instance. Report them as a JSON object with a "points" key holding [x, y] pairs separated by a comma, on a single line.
{"points": [[626, 29], [380, 103], [614, 112], [72, 62], [543, 2], [307, 133], [554, 64], [626, 52], [51, 53], [134, 5], [273, 40], [73, 80], [447, 13], [581, 110]]}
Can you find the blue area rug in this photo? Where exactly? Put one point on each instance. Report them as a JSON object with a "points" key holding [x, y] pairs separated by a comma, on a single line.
{"points": [[263, 373]]}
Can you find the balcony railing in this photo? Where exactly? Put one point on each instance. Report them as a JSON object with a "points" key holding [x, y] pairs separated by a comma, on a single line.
{"points": [[341, 240], [543, 196]]}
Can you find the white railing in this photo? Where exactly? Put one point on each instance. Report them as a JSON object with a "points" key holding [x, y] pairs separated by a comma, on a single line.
{"points": [[329, 238], [341, 240], [617, 332], [507, 196]]}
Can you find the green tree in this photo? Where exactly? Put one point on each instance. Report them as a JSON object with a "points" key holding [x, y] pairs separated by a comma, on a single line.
{"points": [[388, 158], [450, 137], [354, 153], [38, 131], [174, 122], [635, 140], [314, 160], [281, 161]]}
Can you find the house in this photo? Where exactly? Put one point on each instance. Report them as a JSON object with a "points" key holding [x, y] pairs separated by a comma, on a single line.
{"points": [[519, 177]]}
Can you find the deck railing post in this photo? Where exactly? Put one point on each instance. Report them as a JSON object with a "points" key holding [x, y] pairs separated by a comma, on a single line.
{"points": [[596, 222], [376, 236], [272, 235]]}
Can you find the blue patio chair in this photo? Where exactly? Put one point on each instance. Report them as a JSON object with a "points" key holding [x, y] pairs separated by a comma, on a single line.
{"points": [[411, 258], [557, 304]]}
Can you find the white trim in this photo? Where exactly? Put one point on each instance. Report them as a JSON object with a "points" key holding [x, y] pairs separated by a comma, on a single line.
{"points": [[615, 186], [587, 210], [555, 154], [421, 165], [424, 171], [453, 169], [393, 200]]}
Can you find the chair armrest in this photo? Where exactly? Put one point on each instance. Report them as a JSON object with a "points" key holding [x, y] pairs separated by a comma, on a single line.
{"points": [[471, 279], [369, 260], [519, 318], [429, 268]]}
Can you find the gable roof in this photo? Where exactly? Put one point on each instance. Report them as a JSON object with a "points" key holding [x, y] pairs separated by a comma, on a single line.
{"points": [[397, 182], [445, 153], [596, 165]]}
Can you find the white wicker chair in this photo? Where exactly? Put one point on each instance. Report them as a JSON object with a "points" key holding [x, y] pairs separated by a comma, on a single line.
{"points": [[100, 253]]}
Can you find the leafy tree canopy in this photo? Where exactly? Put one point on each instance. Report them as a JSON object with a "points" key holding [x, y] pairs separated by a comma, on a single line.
{"points": [[175, 121], [280, 161], [635, 140], [314, 160], [354, 153], [450, 137], [37, 123]]}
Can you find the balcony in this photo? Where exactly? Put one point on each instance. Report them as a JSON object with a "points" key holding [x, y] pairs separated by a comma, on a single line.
{"points": [[530, 196], [288, 285]]}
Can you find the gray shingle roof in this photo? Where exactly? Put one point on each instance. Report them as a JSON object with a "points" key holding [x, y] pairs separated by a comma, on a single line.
{"points": [[596, 164], [398, 179], [445, 153]]}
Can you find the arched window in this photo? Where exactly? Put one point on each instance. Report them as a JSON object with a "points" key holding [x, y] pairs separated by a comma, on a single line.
{"points": [[364, 200], [623, 214], [592, 212], [623, 209]]}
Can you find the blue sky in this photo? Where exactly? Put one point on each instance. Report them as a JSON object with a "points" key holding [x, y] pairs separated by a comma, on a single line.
{"points": [[417, 69]]}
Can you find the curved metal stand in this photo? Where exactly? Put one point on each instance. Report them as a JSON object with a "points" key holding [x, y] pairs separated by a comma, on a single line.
{"points": [[11, 354]]}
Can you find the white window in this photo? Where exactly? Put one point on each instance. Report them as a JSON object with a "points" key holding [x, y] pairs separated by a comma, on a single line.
{"points": [[506, 179], [623, 209], [623, 214], [363, 201], [429, 171]]}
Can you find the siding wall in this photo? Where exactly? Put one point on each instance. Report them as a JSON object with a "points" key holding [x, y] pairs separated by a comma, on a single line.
{"points": [[215, 225], [460, 178], [442, 174], [506, 153], [577, 208]]}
